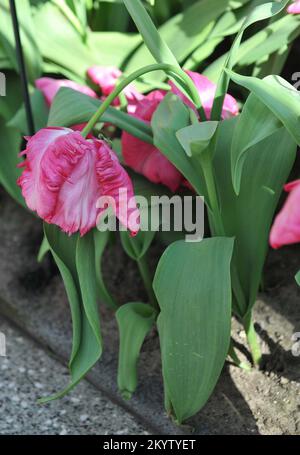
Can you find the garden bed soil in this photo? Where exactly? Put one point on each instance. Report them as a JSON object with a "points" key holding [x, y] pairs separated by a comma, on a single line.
{"points": [[32, 296]]}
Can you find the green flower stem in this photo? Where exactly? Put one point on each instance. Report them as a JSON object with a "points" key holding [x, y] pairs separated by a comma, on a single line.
{"points": [[234, 357], [169, 69], [252, 339], [207, 167], [147, 279]]}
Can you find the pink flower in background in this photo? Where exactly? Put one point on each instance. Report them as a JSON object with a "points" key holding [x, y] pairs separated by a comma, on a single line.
{"points": [[107, 79], [294, 8], [49, 87], [65, 175], [286, 228], [207, 90], [147, 159]]}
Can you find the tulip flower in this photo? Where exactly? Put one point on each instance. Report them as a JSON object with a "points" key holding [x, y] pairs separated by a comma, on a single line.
{"points": [[49, 87], [65, 175], [294, 8], [286, 228], [147, 159], [107, 79], [207, 90]]}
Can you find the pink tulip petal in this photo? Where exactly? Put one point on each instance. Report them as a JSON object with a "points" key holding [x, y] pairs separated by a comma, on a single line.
{"points": [[149, 161], [107, 79], [286, 227], [207, 90], [65, 175], [145, 158], [49, 87], [294, 8]]}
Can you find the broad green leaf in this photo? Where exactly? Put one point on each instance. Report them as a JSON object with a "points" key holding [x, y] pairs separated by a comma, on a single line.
{"points": [[259, 13], [30, 47], [10, 144], [75, 258], [193, 287], [69, 13], [269, 40], [110, 15], [255, 123], [248, 216], [63, 249], [10, 139], [73, 54], [273, 63], [153, 40], [182, 33], [170, 116], [75, 57], [228, 23], [113, 48], [40, 114], [71, 108], [258, 47], [147, 29], [135, 320], [279, 96], [101, 240], [85, 264], [196, 138]]}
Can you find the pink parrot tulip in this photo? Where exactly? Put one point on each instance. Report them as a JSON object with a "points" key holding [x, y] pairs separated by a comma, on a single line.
{"points": [[147, 159], [49, 87], [65, 175], [286, 228], [294, 8]]}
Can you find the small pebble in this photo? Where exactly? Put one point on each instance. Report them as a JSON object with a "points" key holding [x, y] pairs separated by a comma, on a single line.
{"points": [[83, 418]]}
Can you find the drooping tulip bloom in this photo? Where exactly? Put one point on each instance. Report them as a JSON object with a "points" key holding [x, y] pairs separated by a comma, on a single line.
{"points": [[147, 159], [294, 8], [65, 175], [49, 87], [286, 228], [107, 79], [207, 90]]}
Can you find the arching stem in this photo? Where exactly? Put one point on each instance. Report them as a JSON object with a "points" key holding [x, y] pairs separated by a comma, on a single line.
{"points": [[169, 69]]}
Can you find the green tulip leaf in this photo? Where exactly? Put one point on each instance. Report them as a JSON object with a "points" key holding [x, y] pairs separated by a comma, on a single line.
{"points": [[135, 320], [193, 288], [75, 258]]}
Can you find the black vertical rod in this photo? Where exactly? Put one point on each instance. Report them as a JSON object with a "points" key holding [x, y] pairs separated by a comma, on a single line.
{"points": [[22, 68]]}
